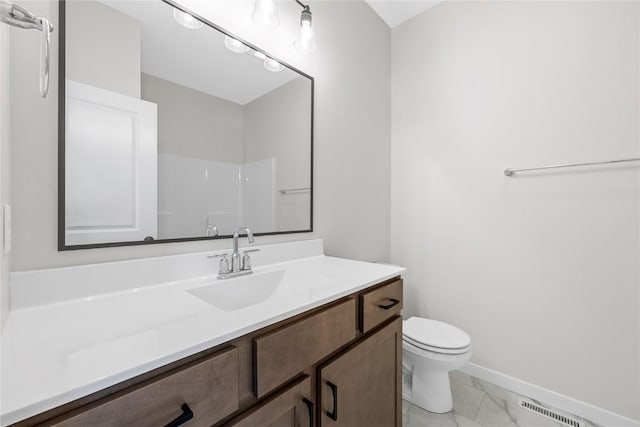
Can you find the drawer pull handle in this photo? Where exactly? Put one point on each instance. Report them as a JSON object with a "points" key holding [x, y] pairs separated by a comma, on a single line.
{"points": [[334, 391], [393, 302], [186, 415], [310, 409]]}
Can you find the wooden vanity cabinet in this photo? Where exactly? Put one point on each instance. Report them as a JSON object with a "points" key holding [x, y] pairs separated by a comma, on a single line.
{"points": [[280, 355], [291, 407], [380, 304], [362, 385], [338, 365], [199, 394]]}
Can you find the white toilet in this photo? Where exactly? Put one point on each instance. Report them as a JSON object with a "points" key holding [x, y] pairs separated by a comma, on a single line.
{"points": [[430, 349]]}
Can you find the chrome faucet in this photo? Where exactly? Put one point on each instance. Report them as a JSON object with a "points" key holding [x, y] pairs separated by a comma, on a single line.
{"points": [[239, 265], [235, 255], [211, 230]]}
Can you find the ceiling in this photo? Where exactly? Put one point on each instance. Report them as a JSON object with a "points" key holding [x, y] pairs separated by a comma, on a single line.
{"points": [[395, 12], [197, 59]]}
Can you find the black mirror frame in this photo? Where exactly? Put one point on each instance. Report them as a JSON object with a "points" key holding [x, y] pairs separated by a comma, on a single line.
{"points": [[62, 246]]}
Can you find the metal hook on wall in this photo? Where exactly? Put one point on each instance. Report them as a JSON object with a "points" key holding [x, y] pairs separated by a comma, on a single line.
{"points": [[20, 17]]}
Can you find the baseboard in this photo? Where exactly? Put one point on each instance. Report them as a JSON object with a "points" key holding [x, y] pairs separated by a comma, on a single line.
{"points": [[551, 398]]}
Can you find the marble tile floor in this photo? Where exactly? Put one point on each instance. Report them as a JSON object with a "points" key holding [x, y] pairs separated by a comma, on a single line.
{"points": [[477, 403]]}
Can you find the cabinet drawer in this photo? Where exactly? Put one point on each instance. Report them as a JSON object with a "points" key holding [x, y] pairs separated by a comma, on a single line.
{"points": [[289, 407], [284, 353], [380, 304], [209, 387]]}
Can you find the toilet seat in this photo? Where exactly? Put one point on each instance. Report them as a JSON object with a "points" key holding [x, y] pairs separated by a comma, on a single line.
{"points": [[431, 349], [438, 337]]}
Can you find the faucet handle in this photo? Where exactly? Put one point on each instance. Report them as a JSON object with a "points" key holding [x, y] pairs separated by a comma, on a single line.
{"points": [[224, 255], [223, 267], [246, 259], [211, 230]]}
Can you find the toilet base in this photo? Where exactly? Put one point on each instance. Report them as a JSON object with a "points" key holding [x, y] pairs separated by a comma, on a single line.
{"points": [[431, 390]]}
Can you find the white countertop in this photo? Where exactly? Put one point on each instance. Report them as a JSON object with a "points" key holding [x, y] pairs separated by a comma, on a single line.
{"points": [[58, 352]]}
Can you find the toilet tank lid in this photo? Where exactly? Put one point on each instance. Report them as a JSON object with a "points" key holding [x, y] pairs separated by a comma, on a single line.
{"points": [[435, 333]]}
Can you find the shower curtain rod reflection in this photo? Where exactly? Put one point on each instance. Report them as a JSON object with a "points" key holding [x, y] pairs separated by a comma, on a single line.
{"points": [[294, 190], [511, 172]]}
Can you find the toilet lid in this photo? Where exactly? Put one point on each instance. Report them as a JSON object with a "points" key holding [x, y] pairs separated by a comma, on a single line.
{"points": [[435, 334]]}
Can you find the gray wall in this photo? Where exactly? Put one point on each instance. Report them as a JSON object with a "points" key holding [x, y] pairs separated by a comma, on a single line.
{"points": [[541, 269], [351, 67], [103, 52], [194, 124], [277, 126]]}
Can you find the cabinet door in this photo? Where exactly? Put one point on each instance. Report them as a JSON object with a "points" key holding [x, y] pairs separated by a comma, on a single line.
{"points": [[291, 407], [362, 386]]}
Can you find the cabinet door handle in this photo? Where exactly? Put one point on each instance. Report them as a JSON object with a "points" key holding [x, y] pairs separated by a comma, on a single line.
{"points": [[310, 409], [334, 391], [393, 302], [186, 415]]}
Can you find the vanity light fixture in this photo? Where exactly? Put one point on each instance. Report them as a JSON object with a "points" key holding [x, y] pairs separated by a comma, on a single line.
{"points": [[186, 20], [306, 40], [238, 47], [265, 14], [273, 65], [235, 45]]}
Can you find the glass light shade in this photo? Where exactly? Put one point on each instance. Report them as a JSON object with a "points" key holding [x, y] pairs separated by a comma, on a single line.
{"points": [[259, 55], [306, 41], [273, 65], [265, 14], [186, 20], [235, 45]]}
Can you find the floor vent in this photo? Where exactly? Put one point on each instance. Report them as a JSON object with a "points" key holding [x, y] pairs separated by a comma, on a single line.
{"points": [[548, 413]]}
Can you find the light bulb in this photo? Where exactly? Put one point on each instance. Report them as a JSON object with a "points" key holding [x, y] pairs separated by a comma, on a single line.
{"points": [[306, 41], [273, 65], [186, 20], [265, 14], [235, 45]]}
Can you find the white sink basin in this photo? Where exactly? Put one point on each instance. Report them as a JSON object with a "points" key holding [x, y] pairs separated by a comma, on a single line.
{"points": [[235, 294]]}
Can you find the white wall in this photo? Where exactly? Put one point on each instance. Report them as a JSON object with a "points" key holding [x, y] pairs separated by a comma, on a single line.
{"points": [[259, 195], [4, 166], [103, 52], [540, 269], [195, 193], [352, 125]]}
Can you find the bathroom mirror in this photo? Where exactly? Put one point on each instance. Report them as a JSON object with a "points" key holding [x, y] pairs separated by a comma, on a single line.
{"points": [[172, 129]]}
